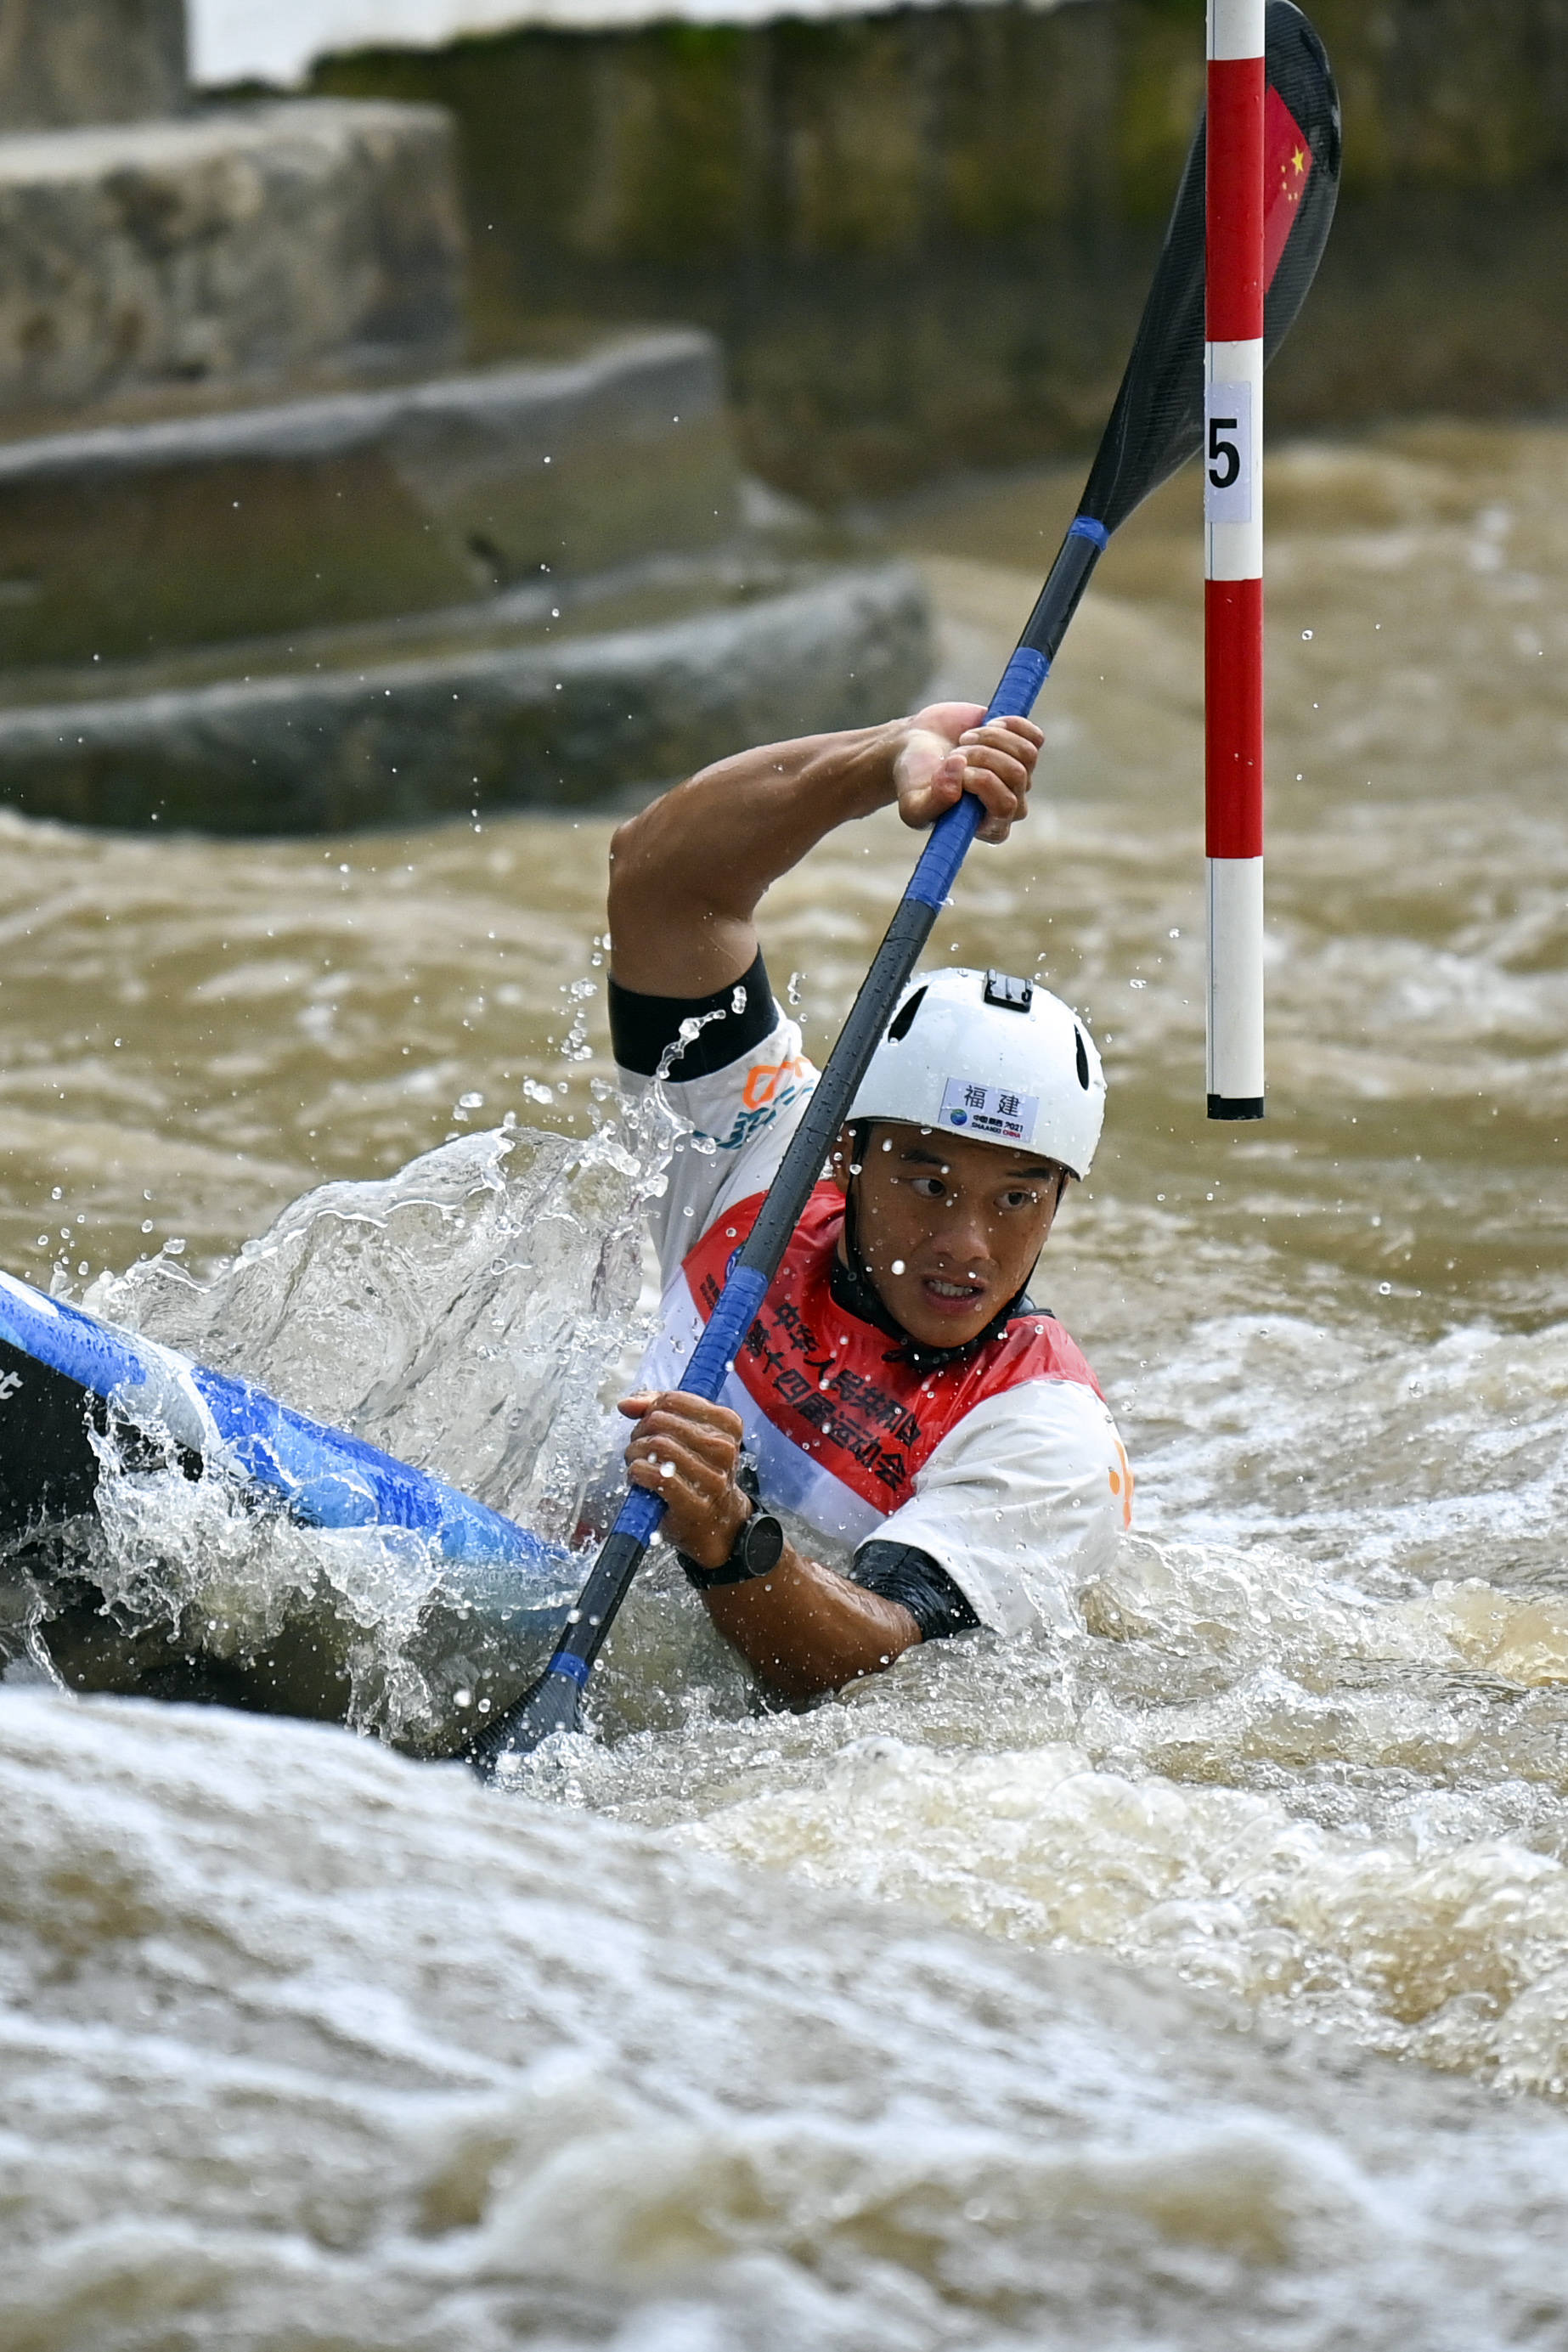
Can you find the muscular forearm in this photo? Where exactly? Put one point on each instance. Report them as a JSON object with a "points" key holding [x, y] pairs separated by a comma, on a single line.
{"points": [[805, 1630], [687, 872]]}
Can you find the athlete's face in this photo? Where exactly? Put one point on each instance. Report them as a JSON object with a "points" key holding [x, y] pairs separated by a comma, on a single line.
{"points": [[948, 1229]]}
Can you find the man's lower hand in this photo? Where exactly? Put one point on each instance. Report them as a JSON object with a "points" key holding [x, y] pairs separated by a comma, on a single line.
{"points": [[688, 1451]]}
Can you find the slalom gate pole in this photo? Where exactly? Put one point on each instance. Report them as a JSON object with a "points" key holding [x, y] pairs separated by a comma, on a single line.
{"points": [[1235, 280]]}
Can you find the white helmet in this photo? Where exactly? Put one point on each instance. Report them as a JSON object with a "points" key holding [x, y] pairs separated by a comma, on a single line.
{"points": [[978, 1053]]}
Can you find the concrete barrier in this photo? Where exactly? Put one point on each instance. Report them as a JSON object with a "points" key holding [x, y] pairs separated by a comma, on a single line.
{"points": [[69, 61], [245, 243], [297, 514], [572, 723]]}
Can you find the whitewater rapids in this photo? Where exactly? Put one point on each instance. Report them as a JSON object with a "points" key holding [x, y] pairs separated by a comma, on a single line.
{"points": [[1199, 1979]]}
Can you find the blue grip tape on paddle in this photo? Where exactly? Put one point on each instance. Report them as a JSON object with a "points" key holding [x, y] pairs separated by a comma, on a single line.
{"points": [[706, 1373], [1019, 685], [1086, 526], [932, 882], [715, 1352], [639, 1514], [933, 879], [576, 1670]]}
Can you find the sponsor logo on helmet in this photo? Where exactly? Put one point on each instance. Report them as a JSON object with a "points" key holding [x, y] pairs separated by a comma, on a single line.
{"points": [[993, 1112]]}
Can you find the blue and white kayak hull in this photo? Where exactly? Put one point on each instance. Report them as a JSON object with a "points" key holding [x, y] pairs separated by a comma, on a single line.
{"points": [[489, 1593]]}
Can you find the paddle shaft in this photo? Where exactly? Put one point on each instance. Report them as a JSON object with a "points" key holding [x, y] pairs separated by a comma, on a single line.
{"points": [[800, 1170]]}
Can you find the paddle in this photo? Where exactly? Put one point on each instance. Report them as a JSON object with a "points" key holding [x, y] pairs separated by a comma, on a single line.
{"points": [[1155, 426]]}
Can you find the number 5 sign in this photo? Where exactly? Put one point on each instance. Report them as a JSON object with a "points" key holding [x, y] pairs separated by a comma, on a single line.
{"points": [[1227, 452]]}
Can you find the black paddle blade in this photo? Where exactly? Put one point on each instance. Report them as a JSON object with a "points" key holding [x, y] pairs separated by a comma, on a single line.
{"points": [[552, 1704], [1157, 423]]}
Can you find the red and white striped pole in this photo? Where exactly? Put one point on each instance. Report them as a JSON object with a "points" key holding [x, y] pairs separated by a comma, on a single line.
{"points": [[1233, 535]]}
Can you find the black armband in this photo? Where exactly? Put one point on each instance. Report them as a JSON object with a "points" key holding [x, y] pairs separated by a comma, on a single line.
{"points": [[917, 1583], [644, 1028]]}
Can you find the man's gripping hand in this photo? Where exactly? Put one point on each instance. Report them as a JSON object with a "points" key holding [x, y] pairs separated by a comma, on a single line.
{"points": [[946, 751], [688, 1451], [803, 1627]]}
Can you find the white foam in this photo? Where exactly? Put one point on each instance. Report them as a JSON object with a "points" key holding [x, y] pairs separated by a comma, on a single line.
{"points": [[303, 2041]]}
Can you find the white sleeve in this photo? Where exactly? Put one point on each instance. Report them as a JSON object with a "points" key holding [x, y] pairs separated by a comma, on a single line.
{"points": [[1022, 1502], [740, 1121]]}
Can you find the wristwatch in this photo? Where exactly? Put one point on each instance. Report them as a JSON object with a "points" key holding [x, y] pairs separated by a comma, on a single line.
{"points": [[758, 1547]]}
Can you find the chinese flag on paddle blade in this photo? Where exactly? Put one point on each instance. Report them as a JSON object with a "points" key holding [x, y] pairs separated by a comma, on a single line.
{"points": [[1287, 168]]}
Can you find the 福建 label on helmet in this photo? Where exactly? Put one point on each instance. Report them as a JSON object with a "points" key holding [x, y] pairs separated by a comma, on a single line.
{"points": [[993, 1112]]}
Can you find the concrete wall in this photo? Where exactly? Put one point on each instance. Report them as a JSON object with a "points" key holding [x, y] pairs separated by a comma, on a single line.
{"points": [[925, 236], [64, 62], [259, 243]]}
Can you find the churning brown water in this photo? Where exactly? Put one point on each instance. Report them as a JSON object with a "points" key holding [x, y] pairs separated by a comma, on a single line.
{"points": [[1200, 1979]]}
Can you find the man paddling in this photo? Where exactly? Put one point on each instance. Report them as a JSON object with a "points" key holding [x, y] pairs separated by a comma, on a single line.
{"points": [[898, 1394]]}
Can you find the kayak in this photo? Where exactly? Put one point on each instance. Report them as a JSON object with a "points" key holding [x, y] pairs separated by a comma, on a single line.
{"points": [[88, 1409]]}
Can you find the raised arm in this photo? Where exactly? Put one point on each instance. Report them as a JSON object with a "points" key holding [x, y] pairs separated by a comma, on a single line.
{"points": [[687, 872]]}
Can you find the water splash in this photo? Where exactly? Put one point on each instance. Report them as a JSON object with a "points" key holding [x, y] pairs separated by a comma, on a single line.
{"points": [[463, 1313], [466, 1314]]}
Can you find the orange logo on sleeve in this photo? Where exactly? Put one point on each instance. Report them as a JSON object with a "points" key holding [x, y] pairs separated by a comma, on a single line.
{"points": [[1122, 1482], [764, 1080]]}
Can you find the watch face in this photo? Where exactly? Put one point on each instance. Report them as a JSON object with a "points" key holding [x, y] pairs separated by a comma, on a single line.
{"points": [[762, 1543]]}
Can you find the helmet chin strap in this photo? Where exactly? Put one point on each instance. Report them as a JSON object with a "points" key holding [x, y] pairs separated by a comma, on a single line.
{"points": [[854, 1285]]}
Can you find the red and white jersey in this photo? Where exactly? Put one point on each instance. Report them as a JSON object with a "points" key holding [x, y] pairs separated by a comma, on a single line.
{"points": [[1005, 1466]]}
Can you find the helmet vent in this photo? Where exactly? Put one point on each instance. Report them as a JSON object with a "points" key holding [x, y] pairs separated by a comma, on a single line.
{"points": [[903, 1020], [1082, 1058]]}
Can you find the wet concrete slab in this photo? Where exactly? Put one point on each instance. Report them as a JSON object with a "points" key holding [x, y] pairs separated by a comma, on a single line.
{"points": [[472, 724], [124, 539]]}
